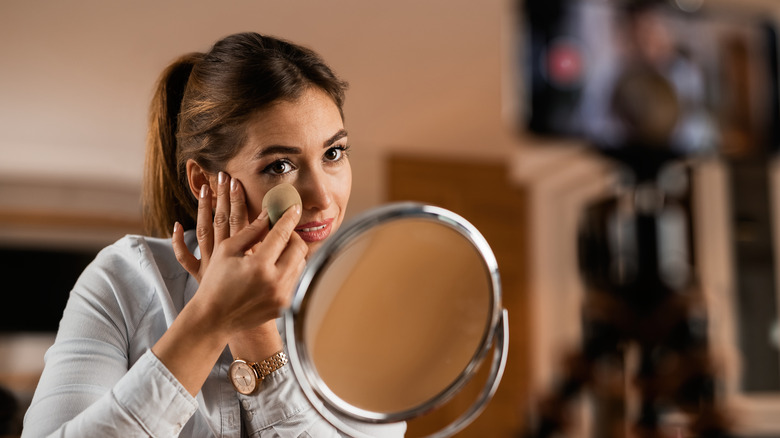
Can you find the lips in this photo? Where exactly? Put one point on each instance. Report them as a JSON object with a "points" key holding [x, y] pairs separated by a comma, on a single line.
{"points": [[315, 231]]}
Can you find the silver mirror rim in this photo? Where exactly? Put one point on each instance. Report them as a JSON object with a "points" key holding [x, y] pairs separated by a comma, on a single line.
{"points": [[303, 369]]}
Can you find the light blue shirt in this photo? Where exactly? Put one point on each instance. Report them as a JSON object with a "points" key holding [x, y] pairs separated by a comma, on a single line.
{"points": [[101, 378]]}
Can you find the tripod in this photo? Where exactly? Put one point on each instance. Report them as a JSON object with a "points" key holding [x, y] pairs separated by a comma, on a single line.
{"points": [[641, 302]]}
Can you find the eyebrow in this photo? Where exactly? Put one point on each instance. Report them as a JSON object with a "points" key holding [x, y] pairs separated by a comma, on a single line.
{"points": [[291, 150], [277, 150], [336, 137]]}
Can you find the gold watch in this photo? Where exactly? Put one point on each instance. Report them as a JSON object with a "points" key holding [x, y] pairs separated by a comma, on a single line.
{"points": [[246, 376]]}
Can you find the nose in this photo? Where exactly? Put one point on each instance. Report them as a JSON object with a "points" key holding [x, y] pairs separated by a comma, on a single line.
{"points": [[315, 190]]}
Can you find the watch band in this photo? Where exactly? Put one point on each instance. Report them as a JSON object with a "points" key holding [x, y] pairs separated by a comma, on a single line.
{"points": [[270, 364], [246, 376]]}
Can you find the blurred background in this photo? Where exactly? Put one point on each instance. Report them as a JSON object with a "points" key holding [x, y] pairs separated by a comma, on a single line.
{"points": [[437, 111]]}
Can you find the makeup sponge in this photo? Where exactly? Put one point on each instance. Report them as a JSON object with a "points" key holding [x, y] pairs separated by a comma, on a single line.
{"points": [[279, 199]]}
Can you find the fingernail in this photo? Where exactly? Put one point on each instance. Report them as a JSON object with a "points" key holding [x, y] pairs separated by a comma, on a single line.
{"points": [[204, 190], [297, 208], [263, 215], [221, 177], [233, 184], [175, 227]]}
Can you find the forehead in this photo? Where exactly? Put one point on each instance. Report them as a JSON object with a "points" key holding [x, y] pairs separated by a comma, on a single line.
{"points": [[310, 119]]}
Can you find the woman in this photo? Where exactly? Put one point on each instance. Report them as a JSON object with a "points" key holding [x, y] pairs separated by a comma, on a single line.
{"points": [[153, 325]]}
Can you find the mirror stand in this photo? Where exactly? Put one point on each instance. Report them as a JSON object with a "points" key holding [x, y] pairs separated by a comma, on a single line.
{"points": [[393, 316]]}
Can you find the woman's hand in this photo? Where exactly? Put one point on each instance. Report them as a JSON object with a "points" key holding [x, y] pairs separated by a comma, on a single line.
{"points": [[246, 276], [243, 288], [229, 217], [246, 272]]}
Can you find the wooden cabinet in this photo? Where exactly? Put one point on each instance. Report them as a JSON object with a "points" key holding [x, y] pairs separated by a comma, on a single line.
{"points": [[482, 193]]}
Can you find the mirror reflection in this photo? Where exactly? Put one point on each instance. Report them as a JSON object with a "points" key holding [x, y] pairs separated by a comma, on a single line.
{"points": [[398, 315]]}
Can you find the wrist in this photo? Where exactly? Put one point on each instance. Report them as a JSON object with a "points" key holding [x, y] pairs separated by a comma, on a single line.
{"points": [[256, 344], [206, 320]]}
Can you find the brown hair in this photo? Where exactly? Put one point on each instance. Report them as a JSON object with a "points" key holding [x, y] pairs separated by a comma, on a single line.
{"points": [[200, 109]]}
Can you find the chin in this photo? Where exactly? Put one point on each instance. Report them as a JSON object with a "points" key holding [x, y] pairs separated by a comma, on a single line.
{"points": [[313, 247]]}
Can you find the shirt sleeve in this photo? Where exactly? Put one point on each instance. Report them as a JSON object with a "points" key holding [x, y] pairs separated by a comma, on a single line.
{"points": [[88, 386], [130, 409], [280, 409]]}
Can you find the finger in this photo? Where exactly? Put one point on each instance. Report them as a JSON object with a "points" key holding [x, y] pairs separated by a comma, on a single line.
{"points": [[222, 212], [249, 236], [277, 239], [265, 216], [239, 218], [204, 229], [183, 255], [293, 257], [291, 265]]}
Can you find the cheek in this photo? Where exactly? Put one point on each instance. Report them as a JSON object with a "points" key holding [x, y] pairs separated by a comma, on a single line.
{"points": [[253, 186], [254, 203], [344, 189]]}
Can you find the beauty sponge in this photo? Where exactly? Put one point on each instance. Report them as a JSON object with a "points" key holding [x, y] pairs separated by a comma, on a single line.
{"points": [[279, 199]]}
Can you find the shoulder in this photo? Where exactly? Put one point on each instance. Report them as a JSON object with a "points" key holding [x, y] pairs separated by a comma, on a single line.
{"points": [[134, 253], [123, 280], [134, 267]]}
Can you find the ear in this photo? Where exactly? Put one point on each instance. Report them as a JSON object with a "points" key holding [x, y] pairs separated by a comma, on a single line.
{"points": [[196, 177]]}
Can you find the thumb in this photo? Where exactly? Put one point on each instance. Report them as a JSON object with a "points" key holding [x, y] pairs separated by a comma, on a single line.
{"points": [[249, 236]]}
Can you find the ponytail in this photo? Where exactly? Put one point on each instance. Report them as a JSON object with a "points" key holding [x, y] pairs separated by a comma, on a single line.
{"points": [[166, 198]]}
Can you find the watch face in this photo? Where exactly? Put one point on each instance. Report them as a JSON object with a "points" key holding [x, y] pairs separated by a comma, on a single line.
{"points": [[243, 377]]}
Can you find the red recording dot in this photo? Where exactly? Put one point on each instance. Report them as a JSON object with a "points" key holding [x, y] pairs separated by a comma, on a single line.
{"points": [[564, 64]]}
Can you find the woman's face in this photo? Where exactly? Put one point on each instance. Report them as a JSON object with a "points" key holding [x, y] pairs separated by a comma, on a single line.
{"points": [[301, 142]]}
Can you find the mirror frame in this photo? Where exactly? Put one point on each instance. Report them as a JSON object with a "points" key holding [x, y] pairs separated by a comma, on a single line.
{"points": [[315, 389]]}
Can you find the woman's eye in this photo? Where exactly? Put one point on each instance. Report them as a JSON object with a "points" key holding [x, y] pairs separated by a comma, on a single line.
{"points": [[279, 167], [335, 153]]}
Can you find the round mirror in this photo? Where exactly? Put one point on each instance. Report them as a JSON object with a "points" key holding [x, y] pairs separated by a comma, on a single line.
{"points": [[393, 315]]}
